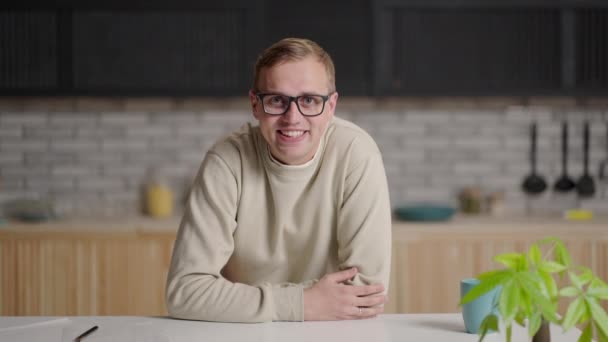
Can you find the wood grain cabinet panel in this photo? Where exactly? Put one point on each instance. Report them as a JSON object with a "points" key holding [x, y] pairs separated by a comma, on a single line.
{"points": [[426, 272], [8, 271], [602, 264], [84, 274], [92, 273]]}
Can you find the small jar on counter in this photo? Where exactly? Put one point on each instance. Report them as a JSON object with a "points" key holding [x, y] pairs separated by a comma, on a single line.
{"points": [[470, 200], [495, 203], [158, 198]]}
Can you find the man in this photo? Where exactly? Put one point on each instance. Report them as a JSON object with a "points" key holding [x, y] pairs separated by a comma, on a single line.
{"points": [[288, 220]]}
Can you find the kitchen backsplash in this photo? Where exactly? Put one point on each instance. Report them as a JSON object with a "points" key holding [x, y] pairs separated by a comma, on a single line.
{"points": [[93, 157]]}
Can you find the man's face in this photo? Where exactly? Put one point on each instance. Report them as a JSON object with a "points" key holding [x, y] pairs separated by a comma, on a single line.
{"points": [[293, 138]]}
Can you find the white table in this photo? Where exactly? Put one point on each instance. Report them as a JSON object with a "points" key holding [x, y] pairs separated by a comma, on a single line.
{"points": [[415, 327]]}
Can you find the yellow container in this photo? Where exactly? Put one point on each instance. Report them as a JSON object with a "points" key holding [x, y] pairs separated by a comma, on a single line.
{"points": [[159, 200], [578, 215]]}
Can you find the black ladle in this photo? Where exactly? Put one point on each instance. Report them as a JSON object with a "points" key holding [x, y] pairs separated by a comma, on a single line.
{"points": [[602, 174], [534, 183], [586, 186], [564, 183]]}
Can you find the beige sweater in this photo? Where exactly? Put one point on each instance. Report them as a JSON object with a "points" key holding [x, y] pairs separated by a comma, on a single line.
{"points": [[255, 233]]}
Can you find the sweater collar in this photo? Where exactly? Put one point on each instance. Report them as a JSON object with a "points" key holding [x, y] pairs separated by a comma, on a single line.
{"points": [[294, 171]]}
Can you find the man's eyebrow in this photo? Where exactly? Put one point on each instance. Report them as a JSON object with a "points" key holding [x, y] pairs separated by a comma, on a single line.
{"points": [[307, 93], [271, 92]]}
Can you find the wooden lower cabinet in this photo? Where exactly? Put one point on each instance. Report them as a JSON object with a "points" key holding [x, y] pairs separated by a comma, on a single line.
{"points": [[84, 274], [125, 274], [426, 272]]}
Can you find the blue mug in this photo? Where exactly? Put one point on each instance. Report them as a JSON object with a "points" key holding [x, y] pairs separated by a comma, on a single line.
{"points": [[476, 311]]}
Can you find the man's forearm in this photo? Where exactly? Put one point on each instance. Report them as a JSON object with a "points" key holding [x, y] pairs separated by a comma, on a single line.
{"points": [[207, 298]]}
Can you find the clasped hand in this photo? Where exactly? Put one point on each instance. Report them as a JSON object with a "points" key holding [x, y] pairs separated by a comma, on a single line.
{"points": [[331, 299]]}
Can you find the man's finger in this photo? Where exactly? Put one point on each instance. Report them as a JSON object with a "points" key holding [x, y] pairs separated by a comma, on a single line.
{"points": [[342, 276], [362, 313], [366, 290], [371, 300]]}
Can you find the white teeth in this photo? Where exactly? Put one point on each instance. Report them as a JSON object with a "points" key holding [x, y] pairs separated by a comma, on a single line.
{"points": [[292, 134]]}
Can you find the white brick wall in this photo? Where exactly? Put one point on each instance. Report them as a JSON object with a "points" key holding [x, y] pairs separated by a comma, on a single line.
{"points": [[92, 161]]}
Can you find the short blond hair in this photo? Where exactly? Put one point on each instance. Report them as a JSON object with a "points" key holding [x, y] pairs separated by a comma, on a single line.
{"points": [[294, 49]]}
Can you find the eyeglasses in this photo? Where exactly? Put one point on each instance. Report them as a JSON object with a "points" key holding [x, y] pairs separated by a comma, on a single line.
{"points": [[308, 105]]}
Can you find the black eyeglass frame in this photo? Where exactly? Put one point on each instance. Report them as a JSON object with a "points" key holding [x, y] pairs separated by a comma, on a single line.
{"points": [[293, 99]]}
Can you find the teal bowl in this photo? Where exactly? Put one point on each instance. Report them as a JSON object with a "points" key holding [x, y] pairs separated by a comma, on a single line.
{"points": [[425, 213]]}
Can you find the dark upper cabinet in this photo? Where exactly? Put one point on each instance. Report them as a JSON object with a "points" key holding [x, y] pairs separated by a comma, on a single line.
{"points": [[462, 51], [490, 47], [380, 47], [153, 52], [342, 27], [29, 50], [178, 48], [591, 47]]}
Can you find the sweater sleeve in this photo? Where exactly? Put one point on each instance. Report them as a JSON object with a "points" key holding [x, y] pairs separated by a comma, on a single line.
{"points": [[196, 288], [364, 221]]}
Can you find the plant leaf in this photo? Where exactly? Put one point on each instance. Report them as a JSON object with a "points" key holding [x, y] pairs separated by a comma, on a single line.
{"points": [[486, 285], [550, 285], [561, 253], [492, 274], [600, 293], [511, 260], [534, 323], [523, 265], [534, 254], [549, 239], [574, 313], [569, 291], [597, 282], [601, 336], [520, 318], [532, 279], [598, 315], [483, 330], [576, 281], [551, 267], [587, 333], [525, 305], [586, 274], [488, 323], [509, 300], [530, 285], [508, 329]]}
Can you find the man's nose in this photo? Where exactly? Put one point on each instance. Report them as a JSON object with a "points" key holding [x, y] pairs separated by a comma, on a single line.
{"points": [[293, 113]]}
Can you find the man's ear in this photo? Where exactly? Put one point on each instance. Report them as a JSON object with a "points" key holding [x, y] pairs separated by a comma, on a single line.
{"points": [[332, 102], [254, 103]]}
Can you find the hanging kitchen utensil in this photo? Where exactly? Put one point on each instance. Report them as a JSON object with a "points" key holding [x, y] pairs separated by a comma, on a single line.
{"points": [[564, 183], [586, 185], [603, 169], [534, 183]]}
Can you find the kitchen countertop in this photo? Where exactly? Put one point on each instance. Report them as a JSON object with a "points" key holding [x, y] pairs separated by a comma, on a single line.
{"points": [[134, 225], [414, 327], [479, 226], [465, 225]]}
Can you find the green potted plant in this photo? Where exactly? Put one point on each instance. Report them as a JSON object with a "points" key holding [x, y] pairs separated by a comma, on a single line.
{"points": [[530, 294]]}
